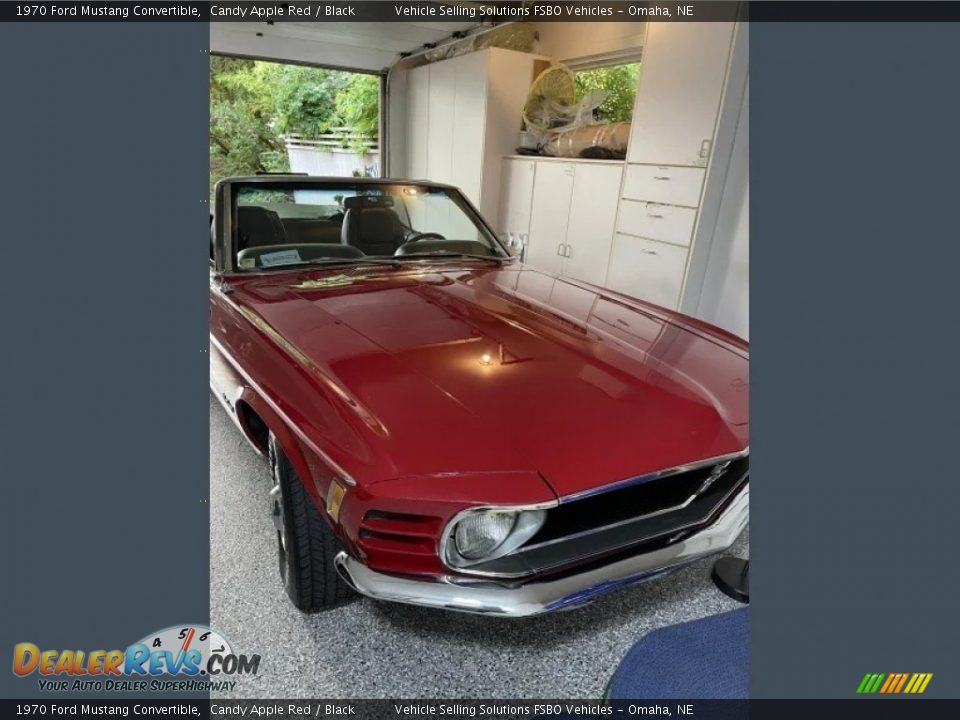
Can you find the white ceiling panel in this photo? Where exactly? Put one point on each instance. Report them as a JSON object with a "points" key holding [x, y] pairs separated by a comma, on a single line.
{"points": [[361, 46]]}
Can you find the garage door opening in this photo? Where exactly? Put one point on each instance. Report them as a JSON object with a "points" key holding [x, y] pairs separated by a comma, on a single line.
{"points": [[269, 117]]}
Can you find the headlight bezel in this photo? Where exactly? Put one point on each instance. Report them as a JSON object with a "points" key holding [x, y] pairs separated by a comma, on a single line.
{"points": [[529, 519]]}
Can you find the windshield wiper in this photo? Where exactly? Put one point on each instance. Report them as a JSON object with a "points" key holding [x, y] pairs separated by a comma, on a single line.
{"points": [[449, 254], [353, 261], [336, 261], [394, 261]]}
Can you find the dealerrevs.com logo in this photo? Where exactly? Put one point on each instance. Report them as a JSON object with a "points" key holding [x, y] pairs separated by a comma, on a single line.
{"points": [[180, 657]]}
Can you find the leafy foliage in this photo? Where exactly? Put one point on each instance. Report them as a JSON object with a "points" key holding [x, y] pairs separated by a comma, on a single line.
{"points": [[253, 104], [243, 140], [358, 107], [620, 81], [305, 98]]}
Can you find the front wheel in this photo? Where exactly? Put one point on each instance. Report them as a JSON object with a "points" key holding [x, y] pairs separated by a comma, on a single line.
{"points": [[306, 545]]}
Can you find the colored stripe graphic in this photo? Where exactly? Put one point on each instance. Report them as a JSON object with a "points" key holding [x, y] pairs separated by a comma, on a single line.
{"points": [[894, 683], [870, 683]]}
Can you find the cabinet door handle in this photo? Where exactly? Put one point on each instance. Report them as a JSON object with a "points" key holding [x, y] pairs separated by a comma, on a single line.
{"points": [[648, 252], [660, 177], [567, 252], [560, 249], [705, 148], [655, 216]]}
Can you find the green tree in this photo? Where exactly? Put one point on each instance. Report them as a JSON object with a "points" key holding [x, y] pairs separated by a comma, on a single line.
{"points": [[253, 104], [243, 140], [304, 98], [358, 108], [620, 82]]}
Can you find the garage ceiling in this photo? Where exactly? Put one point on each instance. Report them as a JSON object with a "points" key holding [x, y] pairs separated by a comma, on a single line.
{"points": [[361, 46]]}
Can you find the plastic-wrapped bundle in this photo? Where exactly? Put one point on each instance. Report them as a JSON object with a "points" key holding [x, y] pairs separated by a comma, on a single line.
{"points": [[608, 140], [514, 36]]}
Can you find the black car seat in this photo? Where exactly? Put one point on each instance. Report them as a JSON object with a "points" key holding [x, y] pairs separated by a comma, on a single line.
{"points": [[257, 226], [375, 230], [305, 231]]}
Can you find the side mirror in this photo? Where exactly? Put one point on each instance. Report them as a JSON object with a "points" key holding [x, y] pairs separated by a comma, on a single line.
{"points": [[517, 244]]}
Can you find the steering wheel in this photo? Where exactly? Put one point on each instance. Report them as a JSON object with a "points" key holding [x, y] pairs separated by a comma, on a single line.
{"points": [[424, 236]]}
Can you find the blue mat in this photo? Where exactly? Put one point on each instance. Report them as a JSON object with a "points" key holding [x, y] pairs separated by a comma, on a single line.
{"points": [[702, 659]]}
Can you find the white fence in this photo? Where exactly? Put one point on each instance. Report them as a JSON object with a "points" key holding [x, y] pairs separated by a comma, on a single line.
{"points": [[326, 155]]}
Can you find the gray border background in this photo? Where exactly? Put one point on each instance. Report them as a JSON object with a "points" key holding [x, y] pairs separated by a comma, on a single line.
{"points": [[855, 255], [105, 420]]}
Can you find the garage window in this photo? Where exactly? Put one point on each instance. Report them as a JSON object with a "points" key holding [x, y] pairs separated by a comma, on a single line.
{"points": [[620, 83]]}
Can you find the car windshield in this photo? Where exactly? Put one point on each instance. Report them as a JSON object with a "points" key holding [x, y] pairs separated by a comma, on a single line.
{"points": [[279, 225]]}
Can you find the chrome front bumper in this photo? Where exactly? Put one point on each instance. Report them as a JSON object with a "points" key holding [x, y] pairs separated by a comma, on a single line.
{"points": [[489, 598]]}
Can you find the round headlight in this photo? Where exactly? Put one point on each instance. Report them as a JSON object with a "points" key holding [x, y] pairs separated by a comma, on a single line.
{"points": [[479, 535], [489, 534]]}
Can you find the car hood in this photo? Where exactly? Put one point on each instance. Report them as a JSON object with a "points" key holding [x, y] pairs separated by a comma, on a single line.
{"points": [[453, 368]]}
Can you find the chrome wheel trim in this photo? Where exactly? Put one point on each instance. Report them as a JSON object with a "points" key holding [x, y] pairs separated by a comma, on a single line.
{"points": [[276, 515]]}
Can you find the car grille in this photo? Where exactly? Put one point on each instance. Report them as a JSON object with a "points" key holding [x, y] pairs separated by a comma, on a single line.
{"points": [[626, 519]]}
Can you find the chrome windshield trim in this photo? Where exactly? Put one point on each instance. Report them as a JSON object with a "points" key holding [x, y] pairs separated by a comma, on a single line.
{"points": [[656, 475]]}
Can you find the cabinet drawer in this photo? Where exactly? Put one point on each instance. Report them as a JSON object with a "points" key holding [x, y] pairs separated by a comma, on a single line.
{"points": [[647, 269], [667, 223], [664, 184]]}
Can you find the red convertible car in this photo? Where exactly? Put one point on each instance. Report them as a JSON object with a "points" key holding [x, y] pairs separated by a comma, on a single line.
{"points": [[449, 427]]}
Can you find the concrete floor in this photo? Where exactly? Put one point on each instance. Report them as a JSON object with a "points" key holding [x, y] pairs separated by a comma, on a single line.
{"points": [[367, 649]]}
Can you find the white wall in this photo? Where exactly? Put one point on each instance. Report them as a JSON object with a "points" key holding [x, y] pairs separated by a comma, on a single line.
{"points": [[724, 299], [332, 163]]}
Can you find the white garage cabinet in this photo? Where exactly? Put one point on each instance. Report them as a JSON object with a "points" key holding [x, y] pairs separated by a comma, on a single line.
{"points": [[671, 141], [565, 210], [630, 226], [463, 116]]}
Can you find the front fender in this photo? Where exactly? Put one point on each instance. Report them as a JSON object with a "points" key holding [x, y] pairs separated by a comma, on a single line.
{"points": [[288, 443], [239, 395]]}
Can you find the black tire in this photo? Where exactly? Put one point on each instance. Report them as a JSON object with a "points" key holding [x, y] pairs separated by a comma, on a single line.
{"points": [[306, 545]]}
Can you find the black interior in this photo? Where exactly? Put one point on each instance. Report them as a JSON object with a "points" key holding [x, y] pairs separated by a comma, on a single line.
{"points": [[368, 225], [305, 231], [257, 226], [374, 230]]}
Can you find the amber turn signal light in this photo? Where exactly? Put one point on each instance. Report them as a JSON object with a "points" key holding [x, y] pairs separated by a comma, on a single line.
{"points": [[335, 499]]}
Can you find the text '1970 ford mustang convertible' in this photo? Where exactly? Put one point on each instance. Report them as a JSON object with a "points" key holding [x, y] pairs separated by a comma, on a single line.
{"points": [[451, 428]]}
